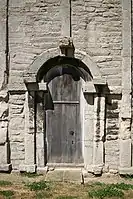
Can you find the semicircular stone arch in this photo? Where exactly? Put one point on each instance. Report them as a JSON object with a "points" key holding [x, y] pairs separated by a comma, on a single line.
{"points": [[54, 55]]}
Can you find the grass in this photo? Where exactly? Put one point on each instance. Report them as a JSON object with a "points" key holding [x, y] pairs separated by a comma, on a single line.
{"points": [[37, 186], [66, 197], [106, 192], [109, 190], [7, 193], [39, 189], [5, 183], [30, 175], [43, 194]]}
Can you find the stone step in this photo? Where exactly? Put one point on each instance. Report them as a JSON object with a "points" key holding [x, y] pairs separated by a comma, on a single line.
{"points": [[64, 175]]}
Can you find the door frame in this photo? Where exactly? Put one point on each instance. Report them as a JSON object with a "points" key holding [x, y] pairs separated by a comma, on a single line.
{"points": [[92, 99]]}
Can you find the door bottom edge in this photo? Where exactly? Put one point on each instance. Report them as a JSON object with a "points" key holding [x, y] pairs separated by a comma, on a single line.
{"points": [[64, 165]]}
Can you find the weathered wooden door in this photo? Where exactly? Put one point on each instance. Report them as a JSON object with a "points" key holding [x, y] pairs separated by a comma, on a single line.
{"points": [[63, 127]]}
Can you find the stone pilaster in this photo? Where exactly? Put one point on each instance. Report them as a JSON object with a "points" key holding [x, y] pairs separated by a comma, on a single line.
{"points": [[88, 130], [99, 125], [66, 18], [30, 134], [125, 126]]}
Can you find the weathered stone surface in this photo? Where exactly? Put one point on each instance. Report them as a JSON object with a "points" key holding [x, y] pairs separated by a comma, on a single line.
{"points": [[3, 110], [56, 175], [125, 153], [100, 33], [3, 136], [112, 153], [72, 175]]}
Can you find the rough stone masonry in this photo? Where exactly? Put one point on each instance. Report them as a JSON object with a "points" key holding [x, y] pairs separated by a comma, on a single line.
{"points": [[93, 37]]}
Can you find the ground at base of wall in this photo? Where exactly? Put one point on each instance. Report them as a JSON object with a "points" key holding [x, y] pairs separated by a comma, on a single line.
{"points": [[26, 186]]}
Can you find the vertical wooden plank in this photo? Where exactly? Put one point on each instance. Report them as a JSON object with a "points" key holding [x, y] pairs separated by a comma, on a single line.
{"points": [[63, 123]]}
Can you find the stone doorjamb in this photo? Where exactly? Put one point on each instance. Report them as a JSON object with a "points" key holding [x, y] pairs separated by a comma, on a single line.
{"points": [[94, 122], [31, 128]]}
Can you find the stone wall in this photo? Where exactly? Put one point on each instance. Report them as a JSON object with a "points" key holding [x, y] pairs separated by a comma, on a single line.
{"points": [[112, 151], [17, 128], [35, 26], [97, 29]]}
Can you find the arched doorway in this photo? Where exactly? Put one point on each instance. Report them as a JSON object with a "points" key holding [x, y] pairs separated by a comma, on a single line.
{"points": [[63, 119], [79, 80]]}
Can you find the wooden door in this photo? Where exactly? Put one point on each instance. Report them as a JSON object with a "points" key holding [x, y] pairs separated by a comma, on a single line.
{"points": [[63, 128]]}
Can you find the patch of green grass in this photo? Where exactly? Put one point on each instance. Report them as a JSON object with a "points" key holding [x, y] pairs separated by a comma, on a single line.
{"points": [[7, 193], [42, 195], [5, 183], [36, 186], [66, 197], [122, 186], [108, 191], [30, 175], [101, 184]]}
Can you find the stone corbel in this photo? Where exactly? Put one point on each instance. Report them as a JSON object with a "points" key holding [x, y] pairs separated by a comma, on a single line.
{"points": [[37, 86], [91, 87], [66, 46]]}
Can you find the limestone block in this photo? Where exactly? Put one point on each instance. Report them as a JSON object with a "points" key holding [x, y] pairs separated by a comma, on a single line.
{"points": [[97, 170], [126, 105], [17, 123], [125, 129], [5, 167], [125, 171], [29, 149], [56, 175], [40, 149], [15, 109], [22, 168], [3, 110], [88, 129], [72, 175], [17, 138], [16, 96], [3, 154], [17, 155], [89, 88], [17, 147], [98, 153], [88, 153], [31, 168], [3, 136], [125, 153], [3, 124], [112, 153], [16, 101], [17, 3], [112, 137]]}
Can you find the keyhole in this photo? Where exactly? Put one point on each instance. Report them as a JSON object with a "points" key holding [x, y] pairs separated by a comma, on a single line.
{"points": [[72, 141], [71, 132]]}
